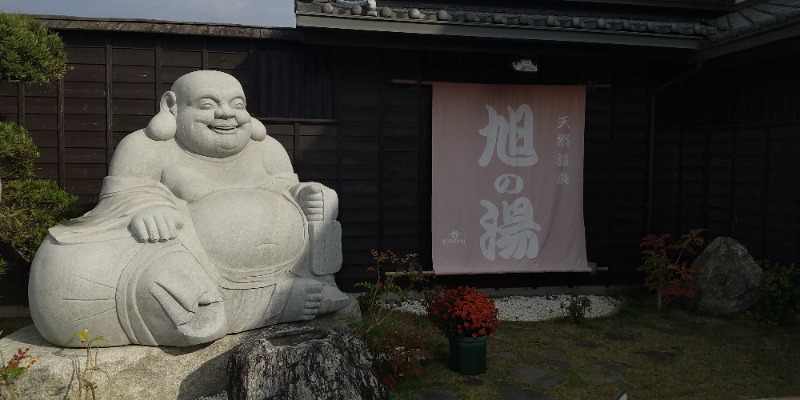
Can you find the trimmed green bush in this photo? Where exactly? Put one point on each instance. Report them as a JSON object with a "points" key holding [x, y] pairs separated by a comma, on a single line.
{"points": [[780, 289], [29, 207], [29, 52], [17, 152]]}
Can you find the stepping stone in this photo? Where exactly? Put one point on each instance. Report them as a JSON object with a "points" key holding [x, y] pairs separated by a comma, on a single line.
{"points": [[588, 345], [506, 355], [511, 392], [557, 364], [613, 367], [437, 394], [601, 378], [513, 330], [472, 381], [541, 378], [620, 336], [685, 331], [658, 357]]}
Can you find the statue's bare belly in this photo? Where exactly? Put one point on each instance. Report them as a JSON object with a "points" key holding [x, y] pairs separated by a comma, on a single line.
{"points": [[250, 231]]}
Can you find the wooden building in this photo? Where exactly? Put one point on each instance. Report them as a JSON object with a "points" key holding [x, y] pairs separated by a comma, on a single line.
{"points": [[692, 116]]}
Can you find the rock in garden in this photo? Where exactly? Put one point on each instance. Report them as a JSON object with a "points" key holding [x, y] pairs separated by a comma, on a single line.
{"points": [[728, 279], [143, 372], [303, 364]]}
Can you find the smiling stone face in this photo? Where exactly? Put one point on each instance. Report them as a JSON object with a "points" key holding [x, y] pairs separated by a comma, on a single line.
{"points": [[210, 114]]}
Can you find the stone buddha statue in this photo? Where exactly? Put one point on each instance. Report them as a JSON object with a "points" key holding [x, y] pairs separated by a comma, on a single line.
{"points": [[202, 229]]}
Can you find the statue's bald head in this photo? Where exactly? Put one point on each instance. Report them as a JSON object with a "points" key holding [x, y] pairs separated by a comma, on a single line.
{"points": [[187, 84], [203, 99]]}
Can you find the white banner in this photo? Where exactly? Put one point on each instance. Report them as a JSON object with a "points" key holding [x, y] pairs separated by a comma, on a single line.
{"points": [[507, 179]]}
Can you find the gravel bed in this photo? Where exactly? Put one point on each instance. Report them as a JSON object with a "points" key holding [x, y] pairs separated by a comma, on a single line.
{"points": [[530, 308], [514, 308]]}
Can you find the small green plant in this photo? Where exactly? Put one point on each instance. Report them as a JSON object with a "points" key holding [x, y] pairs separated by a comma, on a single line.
{"points": [[780, 290], [399, 347], [576, 308], [667, 270], [12, 371], [372, 301], [29, 52], [86, 385]]}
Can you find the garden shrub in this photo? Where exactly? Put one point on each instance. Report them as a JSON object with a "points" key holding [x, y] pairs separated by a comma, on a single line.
{"points": [[780, 290], [398, 345], [666, 264], [29, 52], [28, 208], [17, 152]]}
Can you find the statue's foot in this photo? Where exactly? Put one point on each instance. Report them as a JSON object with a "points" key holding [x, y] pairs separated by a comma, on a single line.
{"points": [[304, 301], [179, 303], [333, 299]]}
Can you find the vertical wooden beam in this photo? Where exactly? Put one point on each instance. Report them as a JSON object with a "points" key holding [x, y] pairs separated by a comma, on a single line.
{"points": [[336, 97], [62, 164], [381, 149], [21, 104], [424, 173], [204, 54], [296, 153], [765, 191], [732, 185], [109, 99], [157, 75], [253, 100]]}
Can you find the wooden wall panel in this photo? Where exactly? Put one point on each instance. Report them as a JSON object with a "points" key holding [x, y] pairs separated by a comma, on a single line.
{"points": [[747, 119], [724, 159]]}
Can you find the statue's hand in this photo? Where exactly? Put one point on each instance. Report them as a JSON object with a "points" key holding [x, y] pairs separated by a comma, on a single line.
{"points": [[156, 224], [311, 202]]}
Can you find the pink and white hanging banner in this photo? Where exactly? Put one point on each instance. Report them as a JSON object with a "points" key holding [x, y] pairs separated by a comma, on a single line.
{"points": [[508, 179]]}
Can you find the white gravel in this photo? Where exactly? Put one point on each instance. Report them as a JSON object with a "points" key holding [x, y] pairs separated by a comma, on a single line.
{"points": [[514, 308], [531, 308]]}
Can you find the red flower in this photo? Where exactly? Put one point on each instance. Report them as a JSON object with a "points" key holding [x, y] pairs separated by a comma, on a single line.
{"points": [[471, 313]]}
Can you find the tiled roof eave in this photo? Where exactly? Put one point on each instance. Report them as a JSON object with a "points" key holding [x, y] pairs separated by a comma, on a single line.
{"points": [[739, 41], [488, 30]]}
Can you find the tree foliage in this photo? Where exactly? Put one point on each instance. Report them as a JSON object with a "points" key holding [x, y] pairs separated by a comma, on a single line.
{"points": [[28, 209], [17, 152], [29, 52]]}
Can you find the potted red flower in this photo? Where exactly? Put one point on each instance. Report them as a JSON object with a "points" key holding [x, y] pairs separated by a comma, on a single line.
{"points": [[466, 317]]}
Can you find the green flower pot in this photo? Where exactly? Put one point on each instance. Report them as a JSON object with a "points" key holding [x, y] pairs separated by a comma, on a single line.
{"points": [[468, 354]]}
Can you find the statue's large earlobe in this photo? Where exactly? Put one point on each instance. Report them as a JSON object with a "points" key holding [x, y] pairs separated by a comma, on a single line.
{"points": [[163, 125], [258, 131]]}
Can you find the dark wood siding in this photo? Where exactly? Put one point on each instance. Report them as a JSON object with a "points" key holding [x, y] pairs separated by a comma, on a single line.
{"points": [[386, 154], [725, 158], [729, 141]]}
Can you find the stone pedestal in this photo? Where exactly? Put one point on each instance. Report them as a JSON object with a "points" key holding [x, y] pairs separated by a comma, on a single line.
{"points": [[142, 372], [303, 364]]}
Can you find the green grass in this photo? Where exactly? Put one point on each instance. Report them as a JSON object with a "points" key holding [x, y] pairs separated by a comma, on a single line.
{"points": [[696, 357], [737, 357]]}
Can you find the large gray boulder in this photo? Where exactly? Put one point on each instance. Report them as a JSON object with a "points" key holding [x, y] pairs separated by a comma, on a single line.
{"points": [[304, 364], [728, 279]]}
